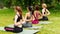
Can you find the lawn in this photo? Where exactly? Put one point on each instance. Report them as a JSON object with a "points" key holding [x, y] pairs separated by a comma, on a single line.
{"points": [[7, 15]]}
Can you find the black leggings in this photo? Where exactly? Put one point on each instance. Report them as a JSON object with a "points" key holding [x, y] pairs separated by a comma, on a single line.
{"points": [[45, 18], [15, 29]]}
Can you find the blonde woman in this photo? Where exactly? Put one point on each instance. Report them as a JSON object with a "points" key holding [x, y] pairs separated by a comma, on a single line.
{"points": [[45, 12]]}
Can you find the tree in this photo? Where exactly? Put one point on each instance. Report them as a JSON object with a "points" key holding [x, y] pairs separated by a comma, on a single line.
{"points": [[24, 3]]}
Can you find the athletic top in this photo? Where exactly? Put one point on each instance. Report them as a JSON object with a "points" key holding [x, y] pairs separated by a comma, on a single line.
{"points": [[44, 11], [19, 18], [30, 16]]}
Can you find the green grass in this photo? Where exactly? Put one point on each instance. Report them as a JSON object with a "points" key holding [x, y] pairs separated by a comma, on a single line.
{"points": [[7, 15]]}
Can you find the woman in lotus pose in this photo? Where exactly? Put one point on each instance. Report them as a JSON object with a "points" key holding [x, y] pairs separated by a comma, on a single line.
{"points": [[45, 12], [28, 17], [17, 21], [37, 13]]}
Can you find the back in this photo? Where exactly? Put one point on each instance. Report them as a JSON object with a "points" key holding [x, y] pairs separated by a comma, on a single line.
{"points": [[37, 14]]}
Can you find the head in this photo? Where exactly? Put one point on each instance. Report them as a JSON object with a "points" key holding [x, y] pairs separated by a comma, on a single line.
{"points": [[36, 7], [19, 10], [30, 8], [44, 5]]}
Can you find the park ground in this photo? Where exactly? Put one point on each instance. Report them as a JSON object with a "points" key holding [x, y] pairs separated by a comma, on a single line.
{"points": [[7, 15]]}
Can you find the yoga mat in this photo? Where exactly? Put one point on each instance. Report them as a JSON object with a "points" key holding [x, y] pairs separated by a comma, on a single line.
{"points": [[45, 22], [28, 32], [23, 32]]}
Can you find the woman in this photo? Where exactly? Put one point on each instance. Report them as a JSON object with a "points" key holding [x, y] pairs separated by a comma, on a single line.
{"points": [[28, 17], [45, 12], [17, 21], [37, 13]]}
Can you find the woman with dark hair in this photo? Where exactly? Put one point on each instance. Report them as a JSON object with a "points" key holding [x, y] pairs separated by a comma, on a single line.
{"points": [[37, 13], [17, 21], [28, 17]]}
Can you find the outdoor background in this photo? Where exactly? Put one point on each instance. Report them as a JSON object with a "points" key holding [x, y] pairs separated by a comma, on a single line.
{"points": [[7, 14]]}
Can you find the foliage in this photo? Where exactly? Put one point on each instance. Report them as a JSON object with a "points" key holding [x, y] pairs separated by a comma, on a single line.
{"points": [[24, 3]]}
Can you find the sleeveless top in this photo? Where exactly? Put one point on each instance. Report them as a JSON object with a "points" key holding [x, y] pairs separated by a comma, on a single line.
{"points": [[30, 16], [19, 18], [36, 15], [45, 11]]}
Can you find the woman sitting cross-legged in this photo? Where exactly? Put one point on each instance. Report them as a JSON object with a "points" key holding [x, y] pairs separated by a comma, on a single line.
{"points": [[45, 12], [37, 13], [17, 21], [28, 17]]}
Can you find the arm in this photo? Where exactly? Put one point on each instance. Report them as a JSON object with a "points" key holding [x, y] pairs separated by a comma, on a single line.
{"points": [[17, 23], [22, 18], [43, 12], [33, 17], [48, 12], [40, 15], [26, 17]]}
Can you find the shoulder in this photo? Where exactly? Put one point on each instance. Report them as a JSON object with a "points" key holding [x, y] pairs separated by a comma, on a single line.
{"points": [[16, 16], [46, 9], [27, 13], [38, 11], [22, 15], [43, 10], [35, 11]]}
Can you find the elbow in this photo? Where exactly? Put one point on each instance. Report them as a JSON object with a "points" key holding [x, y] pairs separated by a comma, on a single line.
{"points": [[49, 13]]}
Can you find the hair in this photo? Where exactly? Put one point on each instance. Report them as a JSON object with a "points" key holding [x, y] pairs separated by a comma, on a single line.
{"points": [[31, 9], [36, 7], [19, 10], [44, 5]]}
